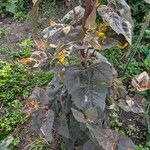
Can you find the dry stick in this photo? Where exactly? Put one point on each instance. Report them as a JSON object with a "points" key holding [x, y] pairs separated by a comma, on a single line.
{"points": [[134, 48]]}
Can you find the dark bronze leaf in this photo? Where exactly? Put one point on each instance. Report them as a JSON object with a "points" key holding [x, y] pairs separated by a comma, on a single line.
{"points": [[106, 138], [61, 125], [125, 143], [88, 87], [47, 125]]}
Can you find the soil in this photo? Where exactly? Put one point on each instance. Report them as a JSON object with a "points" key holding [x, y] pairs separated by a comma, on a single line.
{"points": [[17, 32], [134, 126]]}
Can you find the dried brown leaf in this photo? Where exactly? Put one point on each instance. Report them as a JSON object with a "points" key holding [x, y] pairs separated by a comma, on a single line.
{"points": [[141, 82]]}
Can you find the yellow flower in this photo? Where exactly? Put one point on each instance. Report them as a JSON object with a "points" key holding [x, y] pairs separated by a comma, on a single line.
{"points": [[102, 36], [102, 28]]}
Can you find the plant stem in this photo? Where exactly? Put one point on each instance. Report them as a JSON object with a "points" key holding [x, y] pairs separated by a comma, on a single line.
{"points": [[134, 48]]}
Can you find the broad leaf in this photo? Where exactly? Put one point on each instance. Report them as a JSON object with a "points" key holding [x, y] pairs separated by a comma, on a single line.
{"points": [[106, 138], [61, 125], [125, 143], [91, 20], [88, 87], [91, 114], [40, 95], [47, 125], [37, 121], [119, 25], [78, 115], [89, 145], [69, 17], [122, 8]]}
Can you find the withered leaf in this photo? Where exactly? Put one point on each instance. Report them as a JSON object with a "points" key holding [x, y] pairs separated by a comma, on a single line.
{"points": [[137, 103], [41, 44], [39, 57], [26, 61], [141, 82]]}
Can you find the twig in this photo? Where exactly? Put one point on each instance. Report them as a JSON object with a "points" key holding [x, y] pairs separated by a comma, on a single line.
{"points": [[134, 48]]}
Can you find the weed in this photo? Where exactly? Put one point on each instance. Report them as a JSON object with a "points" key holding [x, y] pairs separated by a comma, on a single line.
{"points": [[43, 78], [4, 31], [16, 83]]}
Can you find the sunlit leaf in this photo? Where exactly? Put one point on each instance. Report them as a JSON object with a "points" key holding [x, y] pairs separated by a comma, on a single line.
{"points": [[122, 8], [26, 61], [69, 17], [34, 1], [52, 22], [41, 44], [147, 1], [91, 20]]}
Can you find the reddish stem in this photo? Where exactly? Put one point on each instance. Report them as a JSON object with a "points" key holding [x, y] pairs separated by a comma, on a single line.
{"points": [[88, 10]]}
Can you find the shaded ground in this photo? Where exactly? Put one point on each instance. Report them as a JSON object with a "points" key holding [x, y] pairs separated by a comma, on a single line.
{"points": [[16, 32]]}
